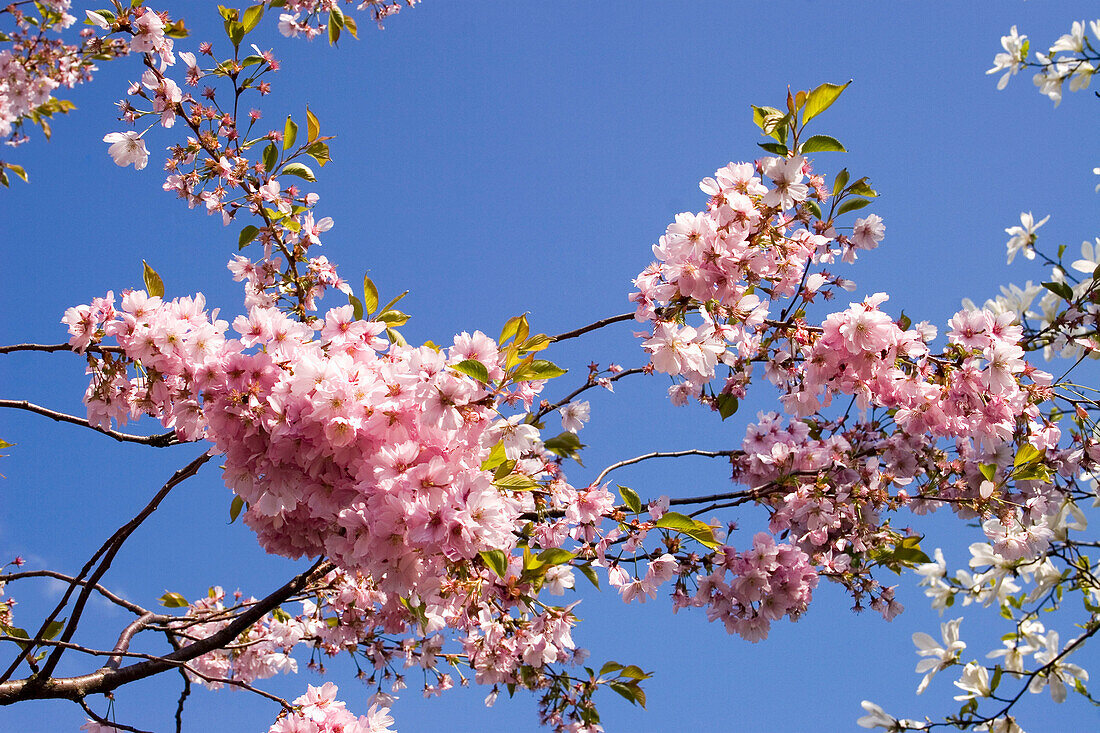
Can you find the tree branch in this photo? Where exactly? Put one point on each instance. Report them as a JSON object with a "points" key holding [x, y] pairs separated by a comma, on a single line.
{"points": [[592, 326], [60, 347], [104, 680], [160, 441], [128, 605], [659, 454]]}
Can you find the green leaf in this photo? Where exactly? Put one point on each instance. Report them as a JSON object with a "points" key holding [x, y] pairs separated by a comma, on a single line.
{"points": [[761, 115], [588, 572], [290, 133], [630, 690], [610, 667], [236, 32], [497, 561], [300, 170], [320, 153], [504, 469], [904, 322], [394, 302], [516, 327], [351, 26], [555, 556], [52, 629], [473, 368], [822, 144], [393, 318], [153, 284], [370, 295], [822, 98], [517, 482], [313, 127], [333, 28], [773, 122], [17, 170], [247, 235], [537, 370], [840, 182], [271, 157], [252, 16], [356, 307], [634, 672], [566, 445], [698, 531], [1026, 454], [496, 457], [727, 405], [989, 470], [862, 188], [1060, 289], [631, 499], [852, 205], [813, 207], [173, 600], [775, 148], [538, 342], [676, 521], [235, 509]]}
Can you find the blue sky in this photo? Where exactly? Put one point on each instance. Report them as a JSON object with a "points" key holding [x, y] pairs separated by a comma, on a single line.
{"points": [[497, 158]]}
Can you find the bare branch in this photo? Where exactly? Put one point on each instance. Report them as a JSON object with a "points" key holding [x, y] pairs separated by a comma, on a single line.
{"points": [[115, 544], [111, 546], [128, 605], [60, 347], [103, 721], [160, 441], [587, 386], [659, 454], [592, 326]]}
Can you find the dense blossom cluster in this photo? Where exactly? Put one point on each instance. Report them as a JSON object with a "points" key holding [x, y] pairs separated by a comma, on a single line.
{"points": [[34, 64]]}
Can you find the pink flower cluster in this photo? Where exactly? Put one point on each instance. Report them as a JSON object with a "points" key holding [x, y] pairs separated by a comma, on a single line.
{"points": [[748, 590], [338, 447], [260, 652], [35, 64], [318, 711], [730, 262]]}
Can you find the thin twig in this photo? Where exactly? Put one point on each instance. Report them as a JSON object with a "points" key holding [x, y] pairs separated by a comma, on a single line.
{"points": [[584, 387], [159, 441], [128, 605], [592, 326], [109, 724], [660, 454]]}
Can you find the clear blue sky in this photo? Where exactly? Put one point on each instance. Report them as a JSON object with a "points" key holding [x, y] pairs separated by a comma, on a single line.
{"points": [[497, 158]]}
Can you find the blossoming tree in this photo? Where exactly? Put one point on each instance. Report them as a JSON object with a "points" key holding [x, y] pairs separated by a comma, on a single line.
{"points": [[435, 491]]}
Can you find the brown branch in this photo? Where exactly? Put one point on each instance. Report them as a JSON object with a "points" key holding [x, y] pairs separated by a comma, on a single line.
{"points": [[104, 680], [61, 347], [659, 454], [128, 605], [160, 441], [583, 388], [108, 546], [111, 549], [103, 721], [592, 326]]}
